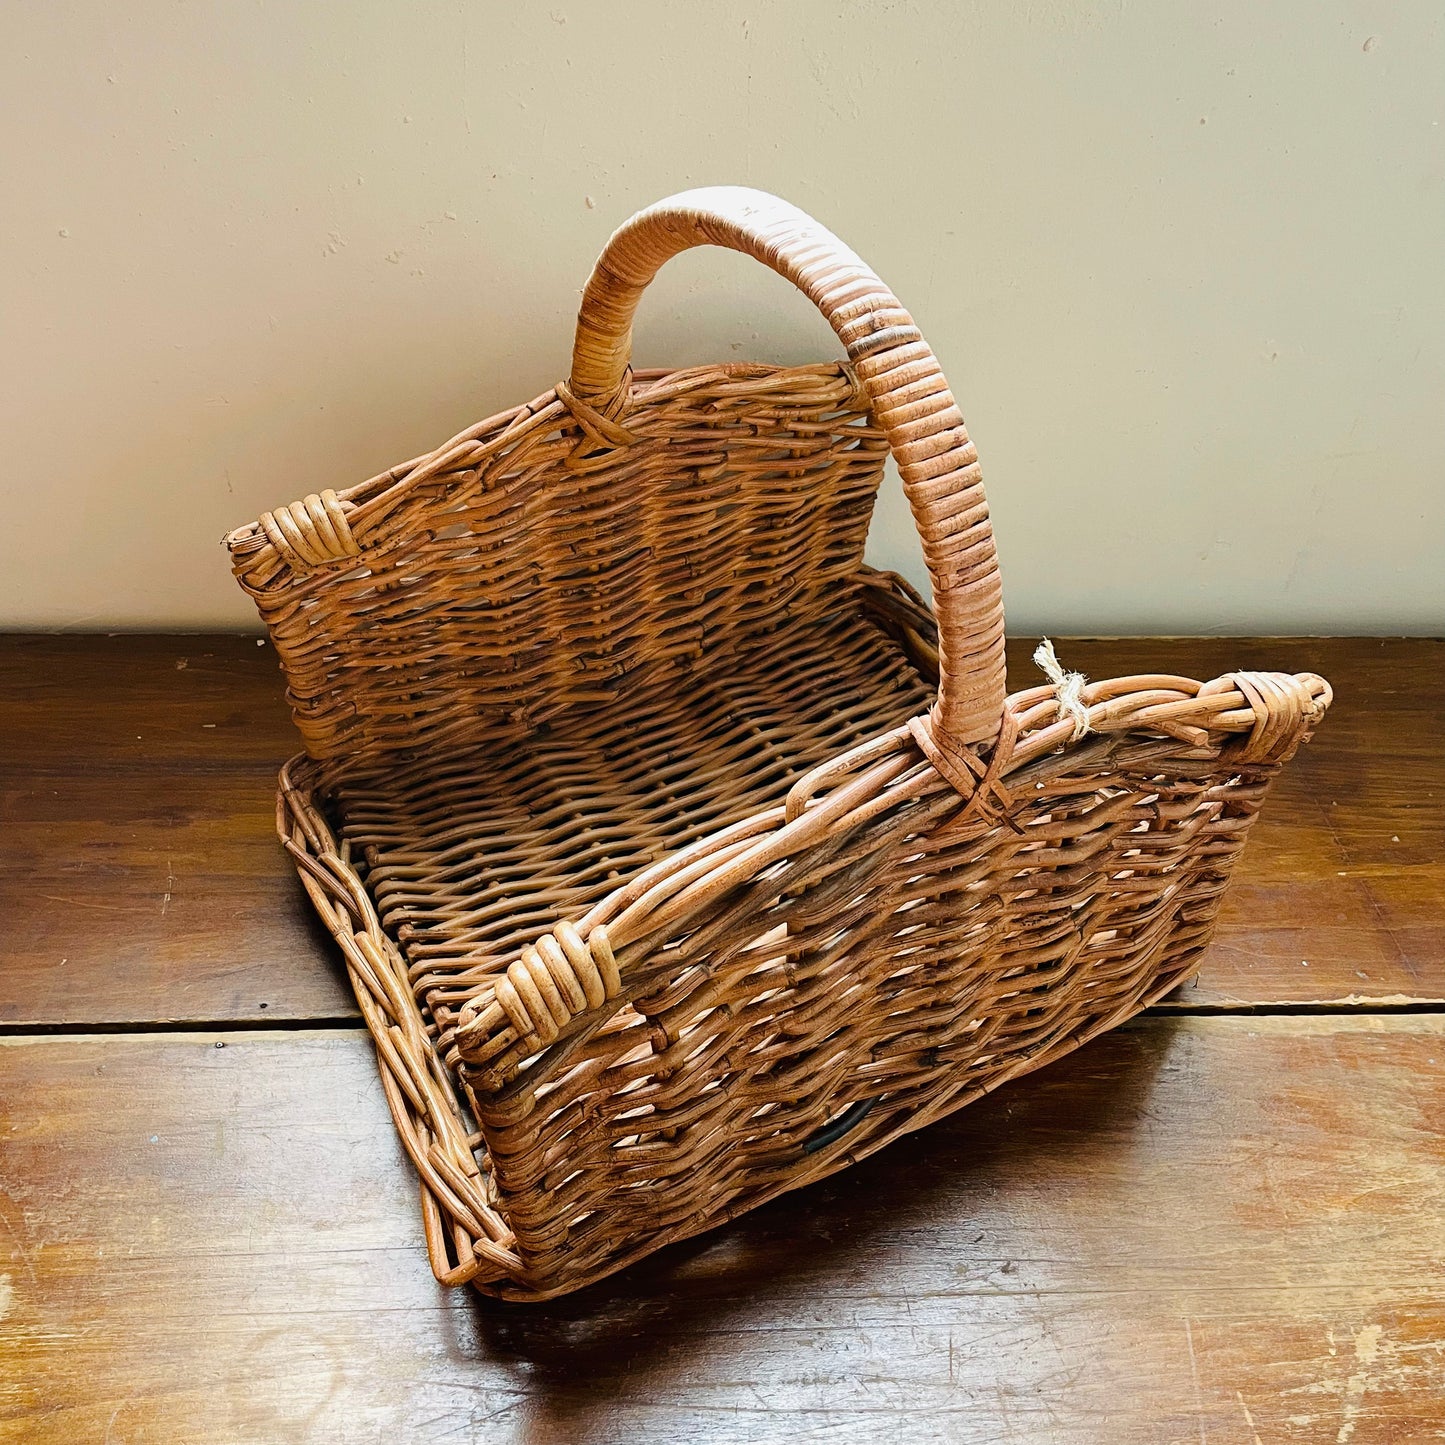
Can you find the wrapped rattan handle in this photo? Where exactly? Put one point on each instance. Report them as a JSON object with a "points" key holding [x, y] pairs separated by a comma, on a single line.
{"points": [[909, 396]]}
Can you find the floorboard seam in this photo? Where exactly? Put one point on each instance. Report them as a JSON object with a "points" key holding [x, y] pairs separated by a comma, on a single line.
{"points": [[352, 1023]]}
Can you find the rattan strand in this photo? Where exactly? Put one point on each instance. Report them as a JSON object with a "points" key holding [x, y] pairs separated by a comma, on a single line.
{"points": [[677, 858]]}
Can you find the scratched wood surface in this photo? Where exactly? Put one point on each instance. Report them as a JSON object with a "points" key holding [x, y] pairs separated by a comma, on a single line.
{"points": [[141, 876], [141, 880], [1222, 1224], [1198, 1229]]}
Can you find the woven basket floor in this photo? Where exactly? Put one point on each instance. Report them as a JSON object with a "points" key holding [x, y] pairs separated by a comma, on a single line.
{"points": [[471, 856]]}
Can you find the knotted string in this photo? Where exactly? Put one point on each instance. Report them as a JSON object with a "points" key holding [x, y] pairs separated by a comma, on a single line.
{"points": [[1068, 687]]}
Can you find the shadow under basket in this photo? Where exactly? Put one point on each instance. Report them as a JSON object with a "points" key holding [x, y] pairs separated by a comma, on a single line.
{"points": [[677, 857]]}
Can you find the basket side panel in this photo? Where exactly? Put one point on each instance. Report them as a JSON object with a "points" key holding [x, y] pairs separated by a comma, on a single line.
{"points": [[916, 972], [534, 570]]}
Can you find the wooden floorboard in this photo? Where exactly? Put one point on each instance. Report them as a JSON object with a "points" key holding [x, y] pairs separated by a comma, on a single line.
{"points": [[141, 881], [1223, 1224], [1197, 1229], [140, 877]]}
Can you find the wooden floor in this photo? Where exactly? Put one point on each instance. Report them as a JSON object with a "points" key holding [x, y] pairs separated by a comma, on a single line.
{"points": [[1223, 1224]]}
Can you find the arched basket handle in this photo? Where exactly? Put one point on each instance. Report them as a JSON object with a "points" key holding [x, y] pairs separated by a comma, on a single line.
{"points": [[906, 389]]}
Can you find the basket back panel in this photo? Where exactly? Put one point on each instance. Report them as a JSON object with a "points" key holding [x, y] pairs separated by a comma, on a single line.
{"points": [[539, 570]]}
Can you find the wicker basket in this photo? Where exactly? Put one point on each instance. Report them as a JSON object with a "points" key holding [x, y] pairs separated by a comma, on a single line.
{"points": [[678, 858]]}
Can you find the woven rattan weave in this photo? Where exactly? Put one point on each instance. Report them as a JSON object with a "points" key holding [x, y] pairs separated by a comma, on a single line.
{"points": [[677, 857]]}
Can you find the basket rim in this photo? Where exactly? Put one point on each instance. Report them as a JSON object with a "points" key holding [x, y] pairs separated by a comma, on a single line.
{"points": [[365, 505], [1262, 717]]}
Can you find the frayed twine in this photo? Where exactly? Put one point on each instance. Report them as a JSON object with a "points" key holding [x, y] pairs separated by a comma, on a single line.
{"points": [[1068, 687]]}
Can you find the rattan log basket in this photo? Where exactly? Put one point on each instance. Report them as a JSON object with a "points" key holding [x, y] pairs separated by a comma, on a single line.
{"points": [[677, 857]]}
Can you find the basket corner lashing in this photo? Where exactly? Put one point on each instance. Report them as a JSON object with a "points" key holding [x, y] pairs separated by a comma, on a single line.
{"points": [[679, 858]]}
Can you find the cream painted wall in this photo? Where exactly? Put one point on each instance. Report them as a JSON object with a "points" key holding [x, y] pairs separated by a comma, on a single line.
{"points": [[1185, 266]]}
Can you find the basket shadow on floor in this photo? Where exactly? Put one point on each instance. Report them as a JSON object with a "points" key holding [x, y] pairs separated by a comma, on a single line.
{"points": [[585, 1352]]}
